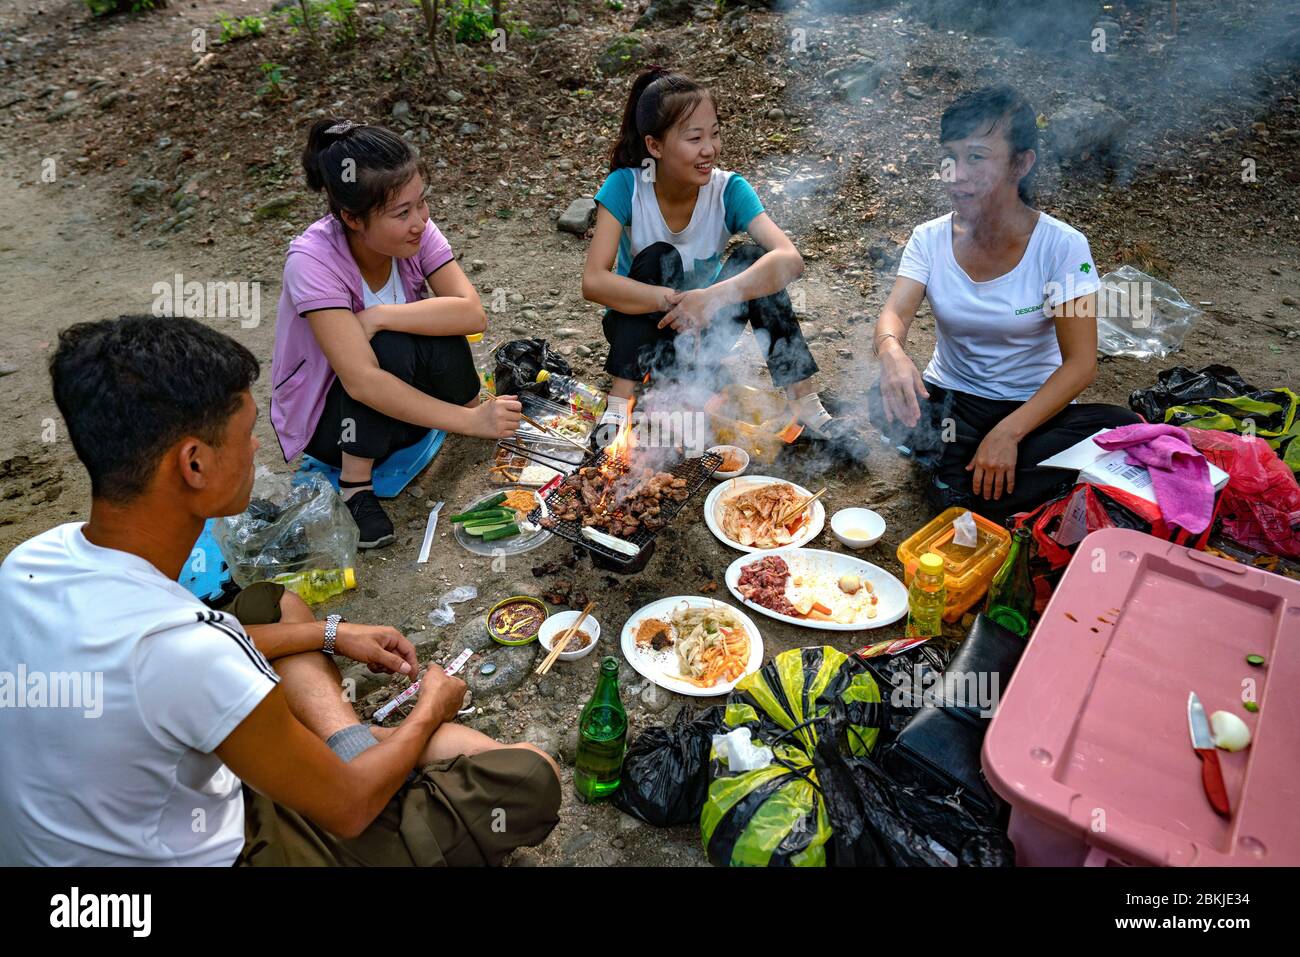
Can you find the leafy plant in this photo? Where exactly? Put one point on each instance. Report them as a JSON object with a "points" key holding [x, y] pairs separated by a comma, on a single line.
{"points": [[102, 8], [615, 5], [470, 20], [275, 86], [341, 15], [240, 29]]}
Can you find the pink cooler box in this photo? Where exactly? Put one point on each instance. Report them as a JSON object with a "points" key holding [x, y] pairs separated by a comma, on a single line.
{"points": [[1090, 744]]}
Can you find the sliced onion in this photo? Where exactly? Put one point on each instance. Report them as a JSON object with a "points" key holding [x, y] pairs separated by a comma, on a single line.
{"points": [[1230, 732]]}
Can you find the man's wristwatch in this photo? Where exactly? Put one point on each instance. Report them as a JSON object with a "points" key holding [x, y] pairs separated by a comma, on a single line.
{"points": [[331, 631]]}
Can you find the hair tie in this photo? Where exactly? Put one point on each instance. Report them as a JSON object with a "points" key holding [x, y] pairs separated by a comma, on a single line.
{"points": [[342, 128]]}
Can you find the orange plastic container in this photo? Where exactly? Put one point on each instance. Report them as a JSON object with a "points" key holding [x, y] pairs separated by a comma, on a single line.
{"points": [[967, 571]]}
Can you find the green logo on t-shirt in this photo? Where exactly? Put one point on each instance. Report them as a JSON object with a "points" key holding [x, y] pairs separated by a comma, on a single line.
{"points": [[1025, 309], [1085, 268]]}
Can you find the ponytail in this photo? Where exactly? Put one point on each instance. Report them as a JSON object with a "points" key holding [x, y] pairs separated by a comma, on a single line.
{"points": [[358, 167], [657, 100]]}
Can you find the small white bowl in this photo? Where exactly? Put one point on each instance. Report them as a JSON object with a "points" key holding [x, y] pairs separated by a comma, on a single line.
{"points": [[858, 520], [723, 450], [559, 623]]}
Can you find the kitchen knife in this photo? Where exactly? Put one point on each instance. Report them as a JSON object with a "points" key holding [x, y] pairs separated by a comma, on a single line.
{"points": [[1203, 744]]}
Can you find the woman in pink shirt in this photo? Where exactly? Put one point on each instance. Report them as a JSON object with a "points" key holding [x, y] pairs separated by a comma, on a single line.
{"points": [[370, 349]]}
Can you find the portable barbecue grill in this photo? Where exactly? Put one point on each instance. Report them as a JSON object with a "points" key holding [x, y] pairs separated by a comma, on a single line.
{"points": [[695, 471]]}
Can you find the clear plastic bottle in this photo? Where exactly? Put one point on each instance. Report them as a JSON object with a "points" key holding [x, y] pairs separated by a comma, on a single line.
{"points": [[579, 396], [317, 585], [483, 362], [926, 598]]}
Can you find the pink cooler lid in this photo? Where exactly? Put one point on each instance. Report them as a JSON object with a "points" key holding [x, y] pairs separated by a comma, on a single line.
{"points": [[1091, 735]]}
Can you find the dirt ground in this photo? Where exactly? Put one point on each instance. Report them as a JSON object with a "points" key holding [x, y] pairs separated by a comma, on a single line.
{"points": [[848, 176]]}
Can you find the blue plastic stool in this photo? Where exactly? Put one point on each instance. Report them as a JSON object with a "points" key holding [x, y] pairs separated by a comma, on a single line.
{"points": [[393, 473], [208, 583]]}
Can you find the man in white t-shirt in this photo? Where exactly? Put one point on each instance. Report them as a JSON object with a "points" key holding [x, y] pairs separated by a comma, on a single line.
{"points": [[131, 713], [1013, 291]]}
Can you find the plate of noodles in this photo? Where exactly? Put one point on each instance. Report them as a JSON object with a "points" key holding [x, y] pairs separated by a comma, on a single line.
{"points": [[692, 645], [744, 514]]}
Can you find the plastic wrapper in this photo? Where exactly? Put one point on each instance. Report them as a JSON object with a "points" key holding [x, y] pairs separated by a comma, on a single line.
{"points": [[665, 775], [1260, 505], [287, 528], [444, 614], [1141, 317], [518, 363], [964, 531], [738, 751]]}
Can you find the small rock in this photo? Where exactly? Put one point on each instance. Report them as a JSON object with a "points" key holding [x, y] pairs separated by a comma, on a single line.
{"points": [[569, 746], [578, 842], [655, 699], [277, 207], [454, 96], [477, 265], [619, 843], [572, 15], [914, 92], [567, 332], [577, 219], [624, 54], [547, 686], [468, 129], [776, 113], [544, 738], [416, 492], [584, 351], [528, 315], [515, 298], [143, 190], [1274, 270], [513, 665], [1288, 300], [7, 368], [401, 109]]}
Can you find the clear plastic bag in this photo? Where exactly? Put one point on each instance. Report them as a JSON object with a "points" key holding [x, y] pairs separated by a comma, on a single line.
{"points": [[444, 614], [287, 528], [1141, 317]]}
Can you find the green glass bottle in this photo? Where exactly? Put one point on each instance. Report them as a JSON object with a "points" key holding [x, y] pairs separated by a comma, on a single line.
{"points": [[602, 738], [1011, 593]]}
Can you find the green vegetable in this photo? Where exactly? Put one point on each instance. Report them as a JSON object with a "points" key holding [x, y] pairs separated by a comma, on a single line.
{"points": [[492, 517], [493, 502], [504, 531], [483, 515], [1255, 660], [1250, 706], [483, 530]]}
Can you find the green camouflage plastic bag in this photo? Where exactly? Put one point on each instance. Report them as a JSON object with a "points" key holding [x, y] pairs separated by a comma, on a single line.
{"points": [[775, 816]]}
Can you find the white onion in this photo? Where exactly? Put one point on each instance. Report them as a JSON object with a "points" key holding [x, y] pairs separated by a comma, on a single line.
{"points": [[1230, 732]]}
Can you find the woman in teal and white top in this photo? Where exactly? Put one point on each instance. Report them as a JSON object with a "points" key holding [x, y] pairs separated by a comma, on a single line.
{"points": [[664, 217]]}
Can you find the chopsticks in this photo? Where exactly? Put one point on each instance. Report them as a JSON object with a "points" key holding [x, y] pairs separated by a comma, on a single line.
{"points": [[563, 640], [792, 512], [551, 432]]}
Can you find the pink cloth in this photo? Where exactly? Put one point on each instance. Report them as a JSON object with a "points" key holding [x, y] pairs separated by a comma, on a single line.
{"points": [[1179, 473], [320, 273]]}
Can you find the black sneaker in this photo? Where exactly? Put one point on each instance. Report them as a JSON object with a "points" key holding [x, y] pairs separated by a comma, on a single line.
{"points": [[841, 439], [372, 521]]}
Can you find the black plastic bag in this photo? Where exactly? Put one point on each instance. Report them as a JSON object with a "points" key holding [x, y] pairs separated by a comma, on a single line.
{"points": [[876, 821], [1182, 386], [518, 363], [665, 775]]}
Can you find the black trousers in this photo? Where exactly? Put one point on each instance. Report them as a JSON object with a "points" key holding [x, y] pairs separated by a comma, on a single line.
{"points": [[440, 366], [952, 426], [637, 345]]}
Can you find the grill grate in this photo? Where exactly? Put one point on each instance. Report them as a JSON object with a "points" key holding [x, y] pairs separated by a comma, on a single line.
{"points": [[695, 471]]}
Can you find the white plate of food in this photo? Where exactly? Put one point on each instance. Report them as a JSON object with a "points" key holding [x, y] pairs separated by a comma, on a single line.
{"points": [[741, 513], [670, 638], [818, 589]]}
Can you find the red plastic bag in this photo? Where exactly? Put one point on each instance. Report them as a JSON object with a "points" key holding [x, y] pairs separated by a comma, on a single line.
{"points": [[1059, 525], [1260, 505]]}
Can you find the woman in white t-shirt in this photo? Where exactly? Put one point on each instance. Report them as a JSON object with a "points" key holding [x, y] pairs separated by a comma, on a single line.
{"points": [[664, 217], [1013, 291]]}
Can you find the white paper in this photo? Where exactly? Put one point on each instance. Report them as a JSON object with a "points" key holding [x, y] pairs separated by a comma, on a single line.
{"points": [[429, 529]]}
